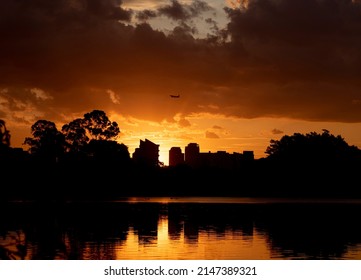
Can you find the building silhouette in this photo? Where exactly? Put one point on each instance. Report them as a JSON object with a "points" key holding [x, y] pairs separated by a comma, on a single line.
{"points": [[191, 155], [224, 160], [220, 159], [147, 153], [176, 156]]}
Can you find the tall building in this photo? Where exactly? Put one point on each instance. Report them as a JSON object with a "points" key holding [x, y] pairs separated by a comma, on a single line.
{"points": [[191, 154], [176, 156], [147, 153]]}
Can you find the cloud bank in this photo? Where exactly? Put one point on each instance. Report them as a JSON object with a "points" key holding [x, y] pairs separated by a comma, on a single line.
{"points": [[275, 58]]}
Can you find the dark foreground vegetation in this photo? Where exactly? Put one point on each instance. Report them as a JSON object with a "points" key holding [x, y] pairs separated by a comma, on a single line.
{"points": [[262, 178], [83, 161]]}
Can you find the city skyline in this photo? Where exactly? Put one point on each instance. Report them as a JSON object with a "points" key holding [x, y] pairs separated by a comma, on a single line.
{"points": [[180, 154], [163, 154]]}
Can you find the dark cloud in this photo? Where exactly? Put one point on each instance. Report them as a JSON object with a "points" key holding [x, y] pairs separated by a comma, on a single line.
{"points": [[181, 12], [303, 55], [184, 123], [198, 7], [50, 40], [40, 15], [305, 39], [109, 9], [146, 15], [213, 24], [277, 131], [217, 127], [276, 58], [184, 33], [174, 11], [212, 135]]}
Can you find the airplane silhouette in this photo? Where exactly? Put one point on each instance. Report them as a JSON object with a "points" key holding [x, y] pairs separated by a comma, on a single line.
{"points": [[174, 96]]}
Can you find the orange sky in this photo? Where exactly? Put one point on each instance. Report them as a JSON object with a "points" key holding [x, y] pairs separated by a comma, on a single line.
{"points": [[247, 71]]}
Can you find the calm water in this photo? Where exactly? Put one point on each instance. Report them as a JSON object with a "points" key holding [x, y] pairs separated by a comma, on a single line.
{"points": [[182, 228]]}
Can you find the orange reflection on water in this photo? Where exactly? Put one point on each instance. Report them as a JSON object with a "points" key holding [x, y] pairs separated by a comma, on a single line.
{"points": [[193, 244]]}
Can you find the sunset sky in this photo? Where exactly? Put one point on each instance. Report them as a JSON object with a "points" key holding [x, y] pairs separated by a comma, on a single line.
{"points": [[246, 71]]}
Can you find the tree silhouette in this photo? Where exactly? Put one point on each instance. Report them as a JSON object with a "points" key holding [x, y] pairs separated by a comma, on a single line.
{"points": [[47, 142], [75, 135], [94, 126], [94, 136], [108, 151], [89, 138], [312, 147], [99, 127], [4, 135]]}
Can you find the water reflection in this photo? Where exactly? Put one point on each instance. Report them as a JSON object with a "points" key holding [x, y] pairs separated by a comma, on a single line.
{"points": [[182, 230]]}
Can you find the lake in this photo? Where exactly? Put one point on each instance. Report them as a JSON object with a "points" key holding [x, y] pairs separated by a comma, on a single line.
{"points": [[182, 228]]}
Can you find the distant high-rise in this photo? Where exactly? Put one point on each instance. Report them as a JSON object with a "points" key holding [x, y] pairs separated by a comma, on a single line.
{"points": [[191, 154], [147, 153], [176, 156]]}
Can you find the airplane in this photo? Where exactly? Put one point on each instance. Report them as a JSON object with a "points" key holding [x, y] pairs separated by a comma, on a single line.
{"points": [[174, 96]]}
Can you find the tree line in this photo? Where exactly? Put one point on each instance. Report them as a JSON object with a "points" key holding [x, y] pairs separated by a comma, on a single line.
{"points": [[94, 137], [85, 160], [91, 137]]}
